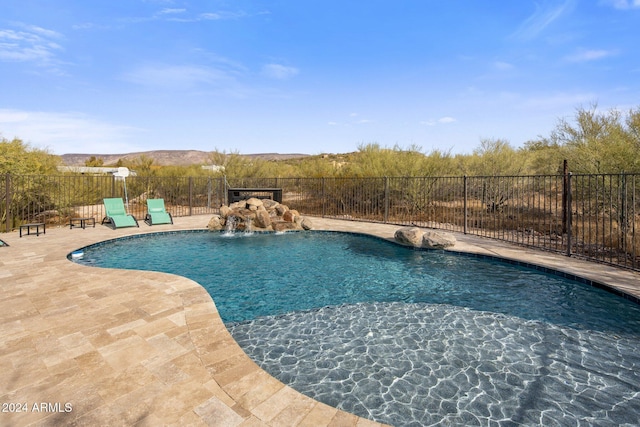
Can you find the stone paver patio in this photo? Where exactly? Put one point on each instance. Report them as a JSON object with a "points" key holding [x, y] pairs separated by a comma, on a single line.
{"points": [[91, 346]]}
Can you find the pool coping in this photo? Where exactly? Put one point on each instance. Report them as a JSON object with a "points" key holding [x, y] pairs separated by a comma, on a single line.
{"points": [[149, 348]]}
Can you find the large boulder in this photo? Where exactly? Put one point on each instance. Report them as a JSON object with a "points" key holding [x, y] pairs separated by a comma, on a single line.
{"points": [[269, 204], [254, 203], [418, 238], [288, 216], [262, 219], [410, 236], [283, 226], [437, 239], [306, 224], [215, 223], [225, 211]]}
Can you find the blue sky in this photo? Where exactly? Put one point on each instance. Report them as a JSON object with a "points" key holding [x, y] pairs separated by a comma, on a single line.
{"points": [[309, 76]]}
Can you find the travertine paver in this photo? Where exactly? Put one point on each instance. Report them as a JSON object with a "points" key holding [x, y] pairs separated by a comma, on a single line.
{"points": [[90, 346]]}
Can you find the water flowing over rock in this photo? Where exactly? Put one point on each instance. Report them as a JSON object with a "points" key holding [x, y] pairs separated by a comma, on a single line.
{"points": [[258, 215], [418, 238]]}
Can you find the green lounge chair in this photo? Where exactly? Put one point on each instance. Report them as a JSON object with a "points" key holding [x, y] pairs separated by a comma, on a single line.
{"points": [[116, 215], [156, 213]]}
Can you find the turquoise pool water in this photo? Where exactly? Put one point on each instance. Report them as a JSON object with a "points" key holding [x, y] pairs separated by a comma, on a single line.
{"points": [[410, 337]]}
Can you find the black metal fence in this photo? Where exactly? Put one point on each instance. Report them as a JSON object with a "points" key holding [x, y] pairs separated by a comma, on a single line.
{"points": [[56, 199], [591, 216]]}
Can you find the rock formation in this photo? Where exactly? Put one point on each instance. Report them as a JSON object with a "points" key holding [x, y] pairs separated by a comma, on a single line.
{"points": [[258, 215], [416, 237]]}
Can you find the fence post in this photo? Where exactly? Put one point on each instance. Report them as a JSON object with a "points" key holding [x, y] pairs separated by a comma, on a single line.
{"points": [[323, 198], [565, 186], [190, 195], [568, 213], [622, 214], [386, 199], [8, 202], [466, 212]]}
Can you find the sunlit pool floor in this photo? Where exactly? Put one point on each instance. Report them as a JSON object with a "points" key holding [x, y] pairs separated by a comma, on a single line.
{"points": [[422, 364]]}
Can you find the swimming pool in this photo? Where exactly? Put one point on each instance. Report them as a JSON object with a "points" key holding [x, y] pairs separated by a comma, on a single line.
{"points": [[410, 337]]}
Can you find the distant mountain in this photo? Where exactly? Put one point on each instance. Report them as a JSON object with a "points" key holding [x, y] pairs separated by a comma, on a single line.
{"points": [[166, 157]]}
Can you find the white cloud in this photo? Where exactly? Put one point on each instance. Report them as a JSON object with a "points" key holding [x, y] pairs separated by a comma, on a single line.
{"points": [[561, 101], [590, 55], [223, 78], [359, 121], [215, 16], [183, 15], [623, 4], [441, 121], [545, 15], [278, 71], [207, 16], [210, 16], [49, 34], [354, 120], [31, 44], [169, 11], [500, 65], [176, 76], [89, 26], [67, 132]]}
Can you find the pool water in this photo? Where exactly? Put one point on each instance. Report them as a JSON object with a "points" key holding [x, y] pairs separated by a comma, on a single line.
{"points": [[410, 337]]}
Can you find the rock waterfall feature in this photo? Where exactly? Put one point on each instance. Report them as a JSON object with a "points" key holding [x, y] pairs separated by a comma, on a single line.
{"points": [[258, 215]]}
